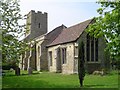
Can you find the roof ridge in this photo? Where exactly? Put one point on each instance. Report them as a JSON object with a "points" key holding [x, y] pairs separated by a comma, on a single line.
{"points": [[79, 23], [56, 28], [59, 33], [71, 33]]}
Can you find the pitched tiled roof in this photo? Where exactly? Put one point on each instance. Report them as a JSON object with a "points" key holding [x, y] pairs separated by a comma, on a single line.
{"points": [[51, 36], [71, 34]]}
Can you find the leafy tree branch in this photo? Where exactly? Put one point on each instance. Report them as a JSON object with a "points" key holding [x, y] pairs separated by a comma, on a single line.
{"points": [[108, 25]]}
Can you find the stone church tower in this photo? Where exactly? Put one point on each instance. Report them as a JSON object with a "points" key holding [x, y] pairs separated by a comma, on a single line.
{"points": [[36, 24]]}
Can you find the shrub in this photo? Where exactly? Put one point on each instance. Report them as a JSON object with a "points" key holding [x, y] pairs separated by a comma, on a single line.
{"points": [[8, 66]]}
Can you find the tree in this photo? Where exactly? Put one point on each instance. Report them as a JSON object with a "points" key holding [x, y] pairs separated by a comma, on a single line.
{"points": [[81, 61], [108, 25], [11, 30]]}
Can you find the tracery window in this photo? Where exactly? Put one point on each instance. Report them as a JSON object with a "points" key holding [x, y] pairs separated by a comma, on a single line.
{"points": [[91, 49]]}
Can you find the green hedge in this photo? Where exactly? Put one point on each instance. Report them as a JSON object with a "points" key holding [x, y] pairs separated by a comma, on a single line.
{"points": [[7, 66]]}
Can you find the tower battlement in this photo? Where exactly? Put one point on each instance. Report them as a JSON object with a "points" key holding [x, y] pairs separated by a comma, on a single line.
{"points": [[38, 12], [36, 23]]}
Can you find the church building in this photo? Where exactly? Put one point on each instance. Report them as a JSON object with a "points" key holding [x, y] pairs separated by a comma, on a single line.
{"points": [[57, 51]]}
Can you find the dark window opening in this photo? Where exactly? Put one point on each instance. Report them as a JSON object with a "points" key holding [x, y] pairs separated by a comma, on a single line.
{"points": [[39, 25], [91, 48], [88, 48], [96, 49], [64, 55], [76, 51], [50, 57], [39, 50]]}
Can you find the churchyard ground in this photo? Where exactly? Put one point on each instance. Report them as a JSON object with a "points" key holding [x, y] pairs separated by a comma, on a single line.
{"points": [[57, 80]]}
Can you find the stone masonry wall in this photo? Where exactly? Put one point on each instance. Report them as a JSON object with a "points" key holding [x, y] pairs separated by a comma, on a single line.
{"points": [[69, 66]]}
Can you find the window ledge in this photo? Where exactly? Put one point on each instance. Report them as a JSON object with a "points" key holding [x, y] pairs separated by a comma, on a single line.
{"points": [[75, 56], [64, 64], [92, 62]]}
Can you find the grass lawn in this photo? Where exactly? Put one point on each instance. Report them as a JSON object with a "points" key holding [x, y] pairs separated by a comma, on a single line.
{"points": [[57, 80]]}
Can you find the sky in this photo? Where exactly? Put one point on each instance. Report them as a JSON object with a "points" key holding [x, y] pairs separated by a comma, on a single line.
{"points": [[67, 12]]}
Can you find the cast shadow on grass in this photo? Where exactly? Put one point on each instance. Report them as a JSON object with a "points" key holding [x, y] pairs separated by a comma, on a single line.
{"points": [[22, 74], [30, 74], [99, 86], [91, 86], [41, 84]]}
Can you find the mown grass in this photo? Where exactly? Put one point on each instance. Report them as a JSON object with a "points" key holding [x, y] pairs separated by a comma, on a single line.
{"points": [[57, 80]]}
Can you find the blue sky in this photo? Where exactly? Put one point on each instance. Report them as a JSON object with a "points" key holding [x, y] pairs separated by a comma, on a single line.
{"points": [[67, 12]]}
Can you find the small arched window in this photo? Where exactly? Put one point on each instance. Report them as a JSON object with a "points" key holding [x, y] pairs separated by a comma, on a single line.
{"points": [[39, 25], [39, 51]]}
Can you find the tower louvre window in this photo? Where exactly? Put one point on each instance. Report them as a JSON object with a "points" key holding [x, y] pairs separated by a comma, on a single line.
{"points": [[39, 25]]}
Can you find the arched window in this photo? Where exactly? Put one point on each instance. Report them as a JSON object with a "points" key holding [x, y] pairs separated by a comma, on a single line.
{"points": [[91, 48], [88, 48], [50, 58], [39, 51], [96, 49], [64, 51], [39, 25]]}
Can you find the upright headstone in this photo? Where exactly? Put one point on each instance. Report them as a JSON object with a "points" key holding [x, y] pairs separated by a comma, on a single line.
{"points": [[29, 70], [17, 71]]}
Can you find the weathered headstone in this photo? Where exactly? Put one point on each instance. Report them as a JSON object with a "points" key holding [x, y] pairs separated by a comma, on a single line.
{"points": [[11, 70], [29, 70], [17, 71]]}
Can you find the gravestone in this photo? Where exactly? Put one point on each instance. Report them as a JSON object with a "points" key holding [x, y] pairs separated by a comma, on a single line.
{"points": [[17, 71], [29, 70]]}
